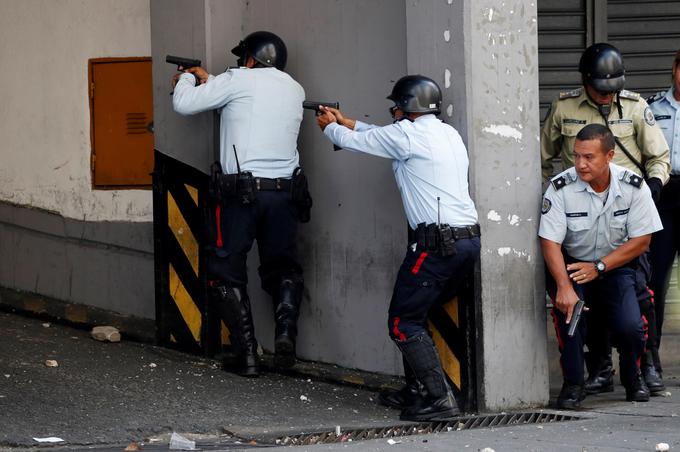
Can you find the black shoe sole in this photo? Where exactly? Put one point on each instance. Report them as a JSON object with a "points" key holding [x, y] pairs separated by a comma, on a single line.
{"points": [[657, 391], [384, 401], [284, 353]]}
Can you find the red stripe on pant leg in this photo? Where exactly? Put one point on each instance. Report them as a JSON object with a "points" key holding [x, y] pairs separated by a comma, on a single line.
{"points": [[395, 330], [419, 262], [218, 218], [560, 342]]}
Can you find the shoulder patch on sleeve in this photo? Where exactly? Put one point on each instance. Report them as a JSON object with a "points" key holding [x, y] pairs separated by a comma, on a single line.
{"points": [[655, 97], [629, 95], [545, 207], [631, 178], [649, 116], [570, 94]]}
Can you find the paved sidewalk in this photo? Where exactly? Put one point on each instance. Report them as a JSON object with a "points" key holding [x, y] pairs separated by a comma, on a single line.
{"points": [[103, 396]]}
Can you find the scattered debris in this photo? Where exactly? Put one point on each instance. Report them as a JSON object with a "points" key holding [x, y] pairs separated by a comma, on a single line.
{"points": [[178, 442], [105, 333], [337, 430], [392, 442], [662, 447], [666, 394], [487, 449], [46, 325], [152, 365], [133, 446], [304, 398], [49, 439], [51, 363]]}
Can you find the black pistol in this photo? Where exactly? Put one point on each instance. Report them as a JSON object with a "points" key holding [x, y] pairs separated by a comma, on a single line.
{"points": [[575, 317], [311, 105], [183, 63]]}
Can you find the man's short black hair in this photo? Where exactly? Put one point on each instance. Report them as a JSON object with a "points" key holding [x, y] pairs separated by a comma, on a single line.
{"points": [[598, 132]]}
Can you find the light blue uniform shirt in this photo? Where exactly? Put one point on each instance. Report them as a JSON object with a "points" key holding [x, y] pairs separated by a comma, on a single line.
{"points": [[429, 161], [261, 112], [665, 109], [575, 216]]}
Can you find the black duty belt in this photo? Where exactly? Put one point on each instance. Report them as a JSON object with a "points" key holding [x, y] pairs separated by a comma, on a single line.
{"points": [[278, 184], [458, 233]]}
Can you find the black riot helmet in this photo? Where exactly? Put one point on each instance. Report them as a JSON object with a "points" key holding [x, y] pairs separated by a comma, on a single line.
{"points": [[417, 94], [266, 48], [602, 68]]}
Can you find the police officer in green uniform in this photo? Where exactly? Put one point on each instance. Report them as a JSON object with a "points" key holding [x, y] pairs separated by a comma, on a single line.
{"points": [[640, 147]]}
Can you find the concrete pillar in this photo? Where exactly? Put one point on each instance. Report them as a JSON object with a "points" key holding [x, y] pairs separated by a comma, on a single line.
{"points": [[484, 54]]}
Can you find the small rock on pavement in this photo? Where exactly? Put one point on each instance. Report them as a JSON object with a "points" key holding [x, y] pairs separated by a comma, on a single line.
{"points": [[51, 363], [105, 333], [662, 447], [133, 446]]}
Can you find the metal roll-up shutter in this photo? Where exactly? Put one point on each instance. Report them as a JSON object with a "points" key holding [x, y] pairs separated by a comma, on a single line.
{"points": [[562, 37], [648, 34]]}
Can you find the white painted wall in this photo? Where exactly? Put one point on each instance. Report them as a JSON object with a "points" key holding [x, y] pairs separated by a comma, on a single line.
{"points": [[44, 111]]}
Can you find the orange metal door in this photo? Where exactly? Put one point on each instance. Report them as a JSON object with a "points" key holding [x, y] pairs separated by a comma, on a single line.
{"points": [[122, 114]]}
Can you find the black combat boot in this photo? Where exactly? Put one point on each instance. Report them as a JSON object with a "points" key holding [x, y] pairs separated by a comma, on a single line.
{"points": [[404, 397], [601, 377], [286, 314], [437, 402], [651, 376], [570, 396], [233, 306], [636, 390]]}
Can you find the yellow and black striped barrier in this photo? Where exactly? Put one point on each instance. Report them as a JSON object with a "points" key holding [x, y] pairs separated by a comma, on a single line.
{"points": [[183, 317], [452, 325]]}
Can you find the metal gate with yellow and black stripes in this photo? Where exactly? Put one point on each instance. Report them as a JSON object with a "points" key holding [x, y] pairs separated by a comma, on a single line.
{"points": [[183, 319]]}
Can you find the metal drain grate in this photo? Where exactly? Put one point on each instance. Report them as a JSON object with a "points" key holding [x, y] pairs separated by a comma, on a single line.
{"points": [[462, 423]]}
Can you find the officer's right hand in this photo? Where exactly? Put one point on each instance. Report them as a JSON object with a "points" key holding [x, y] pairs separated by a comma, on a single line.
{"points": [[565, 301], [200, 73]]}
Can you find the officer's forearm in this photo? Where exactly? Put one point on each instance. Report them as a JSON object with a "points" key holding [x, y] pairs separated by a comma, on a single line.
{"points": [[628, 251], [552, 254]]}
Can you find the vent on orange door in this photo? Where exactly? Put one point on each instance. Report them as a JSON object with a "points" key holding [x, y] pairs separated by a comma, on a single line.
{"points": [[121, 110]]}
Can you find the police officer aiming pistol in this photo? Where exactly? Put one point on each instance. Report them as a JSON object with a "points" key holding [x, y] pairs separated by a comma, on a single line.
{"points": [[258, 190], [430, 164]]}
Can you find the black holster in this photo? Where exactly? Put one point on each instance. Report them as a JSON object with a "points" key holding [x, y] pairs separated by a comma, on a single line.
{"points": [[300, 195], [434, 238]]}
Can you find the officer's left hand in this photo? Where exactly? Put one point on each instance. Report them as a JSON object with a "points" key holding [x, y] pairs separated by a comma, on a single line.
{"points": [[325, 117], [655, 187], [582, 272]]}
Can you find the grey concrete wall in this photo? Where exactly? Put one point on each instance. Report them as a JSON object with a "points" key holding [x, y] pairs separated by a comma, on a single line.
{"points": [[501, 67], [349, 51], [107, 265], [485, 58]]}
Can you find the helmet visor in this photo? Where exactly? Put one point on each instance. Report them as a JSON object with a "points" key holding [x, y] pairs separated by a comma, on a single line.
{"points": [[608, 85]]}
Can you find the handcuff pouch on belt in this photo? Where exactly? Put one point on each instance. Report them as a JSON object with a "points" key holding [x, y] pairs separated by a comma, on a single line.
{"points": [[300, 195]]}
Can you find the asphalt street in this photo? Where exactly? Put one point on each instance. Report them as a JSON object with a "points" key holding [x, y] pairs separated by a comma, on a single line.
{"points": [[104, 396]]}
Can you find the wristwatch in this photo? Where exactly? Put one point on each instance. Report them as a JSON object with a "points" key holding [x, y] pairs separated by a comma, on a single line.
{"points": [[600, 266]]}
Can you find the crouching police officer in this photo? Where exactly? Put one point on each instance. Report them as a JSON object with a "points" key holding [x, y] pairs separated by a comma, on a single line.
{"points": [[640, 147], [430, 164], [253, 186], [597, 218]]}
